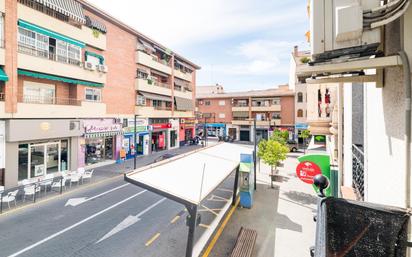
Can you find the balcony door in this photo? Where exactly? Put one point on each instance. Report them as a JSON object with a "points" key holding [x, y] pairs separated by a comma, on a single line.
{"points": [[38, 93]]}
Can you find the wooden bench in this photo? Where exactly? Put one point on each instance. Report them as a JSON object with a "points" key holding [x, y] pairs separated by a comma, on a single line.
{"points": [[245, 243]]}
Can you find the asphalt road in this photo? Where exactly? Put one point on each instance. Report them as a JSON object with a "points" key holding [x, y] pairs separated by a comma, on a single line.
{"points": [[108, 219]]}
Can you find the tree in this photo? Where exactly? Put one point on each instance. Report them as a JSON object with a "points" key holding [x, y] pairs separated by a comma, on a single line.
{"points": [[272, 152], [280, 136], [305, 134]]}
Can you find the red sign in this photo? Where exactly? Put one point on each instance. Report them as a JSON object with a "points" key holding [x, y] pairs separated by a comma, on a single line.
{"points": [[161, 142], [306, 171], [161, 126]]}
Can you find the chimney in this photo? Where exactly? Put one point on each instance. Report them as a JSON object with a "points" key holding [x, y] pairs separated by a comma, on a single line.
{"points": [[295, 50]]}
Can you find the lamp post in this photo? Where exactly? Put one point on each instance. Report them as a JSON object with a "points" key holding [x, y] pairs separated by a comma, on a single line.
{"points": [[135, 142]]}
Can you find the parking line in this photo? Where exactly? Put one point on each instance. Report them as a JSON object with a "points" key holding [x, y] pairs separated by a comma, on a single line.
{"points": [[204, 226], [175, 219], [210, 210], [148, 243]]}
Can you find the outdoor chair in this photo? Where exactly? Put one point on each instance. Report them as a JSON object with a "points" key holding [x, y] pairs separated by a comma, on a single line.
{"points": [[10, 197], [31, 190], [87, 175], [75, 178], [60, 184], [47, 182]]}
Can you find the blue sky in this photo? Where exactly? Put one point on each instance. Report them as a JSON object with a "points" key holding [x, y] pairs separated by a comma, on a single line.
{"points": [[240, 44]]}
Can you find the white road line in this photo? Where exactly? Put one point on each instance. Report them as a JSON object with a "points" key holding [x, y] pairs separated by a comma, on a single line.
{"points": [[78, 201], [74, 225]]}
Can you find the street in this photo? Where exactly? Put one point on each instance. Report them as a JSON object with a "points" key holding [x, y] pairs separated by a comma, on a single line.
{"points": [[111, 218]]}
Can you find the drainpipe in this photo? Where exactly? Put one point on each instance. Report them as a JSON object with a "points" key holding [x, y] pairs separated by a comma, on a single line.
{"points": [[408, 93]]}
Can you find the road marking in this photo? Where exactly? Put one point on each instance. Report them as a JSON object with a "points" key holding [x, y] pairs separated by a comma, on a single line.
{"points": [[81, 200], [220, 230], [210, 210], [174, 219], [204, 226], [213, 209], [74, 225], [217, 198], [225, 190], [130, 220], [152, 239]]}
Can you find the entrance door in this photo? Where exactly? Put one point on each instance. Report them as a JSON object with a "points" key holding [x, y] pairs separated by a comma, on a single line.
{"points": [[52, 158], [232, 133], [244, 135], [108, 148], [44, 159]]}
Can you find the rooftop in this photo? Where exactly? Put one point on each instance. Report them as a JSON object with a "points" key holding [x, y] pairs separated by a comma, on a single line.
{"points": [[283, 90]]}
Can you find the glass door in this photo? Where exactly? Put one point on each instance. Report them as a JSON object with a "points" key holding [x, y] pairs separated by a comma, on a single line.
{"points": [[37, 161], [53, 157]]}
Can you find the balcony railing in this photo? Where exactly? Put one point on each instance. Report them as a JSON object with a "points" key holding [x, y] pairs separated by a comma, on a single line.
{"points": [[162, 108], [50, 55], [49, 100], [240, 118], [358, 174], [159, 84], [240, 105]]}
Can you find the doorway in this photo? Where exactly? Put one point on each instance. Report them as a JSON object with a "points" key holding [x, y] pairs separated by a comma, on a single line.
{"points": [[244, 135]]}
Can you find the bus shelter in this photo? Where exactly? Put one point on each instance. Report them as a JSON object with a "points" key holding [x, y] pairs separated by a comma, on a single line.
{"points": [[191, 178]]}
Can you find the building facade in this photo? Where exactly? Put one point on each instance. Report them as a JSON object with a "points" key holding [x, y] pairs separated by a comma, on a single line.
{"points": [[232, 114], [73, 82]]}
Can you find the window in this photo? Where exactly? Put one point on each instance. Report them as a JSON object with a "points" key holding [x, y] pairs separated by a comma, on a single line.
{"points": [[300, 97], [200, 102], [300, 113], [156, 103], [74, 53], [222, 115], [141, 101], [61, 51], [142, 75], [93, 59], [27, 38], [276, 115], [276, 101], [93, 94], [207, 103], [38, 93], [222, 102]]}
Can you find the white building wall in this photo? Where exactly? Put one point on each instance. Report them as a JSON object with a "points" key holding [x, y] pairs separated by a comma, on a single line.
{"points": [[347, 136]]}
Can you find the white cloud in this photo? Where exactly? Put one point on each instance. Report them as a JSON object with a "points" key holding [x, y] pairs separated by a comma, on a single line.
{"points": [[180, 23]]}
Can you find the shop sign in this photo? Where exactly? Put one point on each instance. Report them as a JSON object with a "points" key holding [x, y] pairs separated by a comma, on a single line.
{"points": [[139, 122], [160, 126], [301, 126], [188, 121], [138, 129], [103, 128], [307, 170]]}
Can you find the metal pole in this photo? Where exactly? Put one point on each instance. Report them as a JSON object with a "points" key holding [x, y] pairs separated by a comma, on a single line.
{"points": [[1, 202], [235, 186], [192, 227], [135, 142], [254, 153]]}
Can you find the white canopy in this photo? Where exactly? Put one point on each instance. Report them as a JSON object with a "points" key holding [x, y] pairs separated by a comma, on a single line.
{"points": [[182, 178]]}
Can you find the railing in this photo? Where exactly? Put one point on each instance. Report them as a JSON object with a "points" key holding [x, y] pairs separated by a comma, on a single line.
{"points": [[50, 55], [160, 84], [358, 174], [240, 105], [240, 118], [49, 100], [162, 108]]}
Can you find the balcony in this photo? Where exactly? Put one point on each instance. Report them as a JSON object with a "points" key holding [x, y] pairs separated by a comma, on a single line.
{"points": [[241, 121], [267, 108], [83, 34], [46, 62], [54, 107], [153, 87], [152, 112], [152, 62], [240, 108], [183, 75], [183, 94], [183, 114]]}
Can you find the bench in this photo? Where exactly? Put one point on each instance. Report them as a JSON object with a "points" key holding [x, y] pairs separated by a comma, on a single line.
{"points": [[245, 243]]}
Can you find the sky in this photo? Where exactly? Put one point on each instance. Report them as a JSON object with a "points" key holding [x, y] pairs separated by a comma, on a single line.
{"points": [[240, 44]]}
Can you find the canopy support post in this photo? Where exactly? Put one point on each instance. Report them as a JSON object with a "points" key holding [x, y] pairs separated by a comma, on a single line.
{"points": [[192, 209], [235, 186]]}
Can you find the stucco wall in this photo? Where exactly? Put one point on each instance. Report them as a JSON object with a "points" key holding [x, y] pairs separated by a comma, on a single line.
{"points": [[214, 107], [288, 110]]}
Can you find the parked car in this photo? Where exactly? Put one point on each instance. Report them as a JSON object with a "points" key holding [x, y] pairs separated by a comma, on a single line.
{"points": [[293, 146], [164, 157]]}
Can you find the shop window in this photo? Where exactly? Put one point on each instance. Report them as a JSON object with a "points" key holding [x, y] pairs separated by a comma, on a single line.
{"points": [[93, 94], [23, 161], [300, 113], [300, 97], [207, 103]]}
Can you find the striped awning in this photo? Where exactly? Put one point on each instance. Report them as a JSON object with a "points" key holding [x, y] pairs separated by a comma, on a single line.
{"points": [[184, 104], [155, 96], [95, 24], [103, 134], [147, 45], [70, 8], [179, 82]]}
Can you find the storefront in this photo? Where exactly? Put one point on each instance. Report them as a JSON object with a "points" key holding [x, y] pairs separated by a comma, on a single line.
{"points": [[48, 147], [159, 129], [102, 140], [244, 134], [299, 127], [187, 130], [213, 129], [174, 133], [142, 138]]}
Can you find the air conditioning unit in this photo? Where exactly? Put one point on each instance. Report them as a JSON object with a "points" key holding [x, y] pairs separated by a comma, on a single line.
{"points": [[337, 29], [89, 66]]}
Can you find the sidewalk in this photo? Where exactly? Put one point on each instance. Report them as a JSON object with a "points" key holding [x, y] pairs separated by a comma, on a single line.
{"points": [[282, 217]]}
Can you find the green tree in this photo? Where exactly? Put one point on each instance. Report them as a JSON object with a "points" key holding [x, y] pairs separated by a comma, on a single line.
{"points": [[305, 134], [272, 153], [280, 136]]}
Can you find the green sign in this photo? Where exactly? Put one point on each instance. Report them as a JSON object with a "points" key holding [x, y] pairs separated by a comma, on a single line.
{"points": [[138, 129]]}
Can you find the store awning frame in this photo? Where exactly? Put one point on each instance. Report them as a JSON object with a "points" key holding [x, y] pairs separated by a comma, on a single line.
{"points": [[49, 33], [152, 96], [70, 8], [39, 75]]}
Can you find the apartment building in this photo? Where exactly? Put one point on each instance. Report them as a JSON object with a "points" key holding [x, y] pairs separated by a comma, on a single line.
{"points": [[297, 60], [232, 114], [72, 83]]}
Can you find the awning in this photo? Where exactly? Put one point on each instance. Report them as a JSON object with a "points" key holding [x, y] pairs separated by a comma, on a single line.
{"points": [[70, 8], [184, 65], [147, 45], [98, 56], [58, 78], [103, 134], [241, 114], [143, 71], [158, 73], [155, 96], [162, 50], [181, 83], [184, 104], [3, 75], [46, 32], [95, 24]]}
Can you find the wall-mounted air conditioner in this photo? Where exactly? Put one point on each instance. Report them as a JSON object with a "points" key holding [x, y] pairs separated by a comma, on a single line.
{"points": [[89, 66], [337, 29]]}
